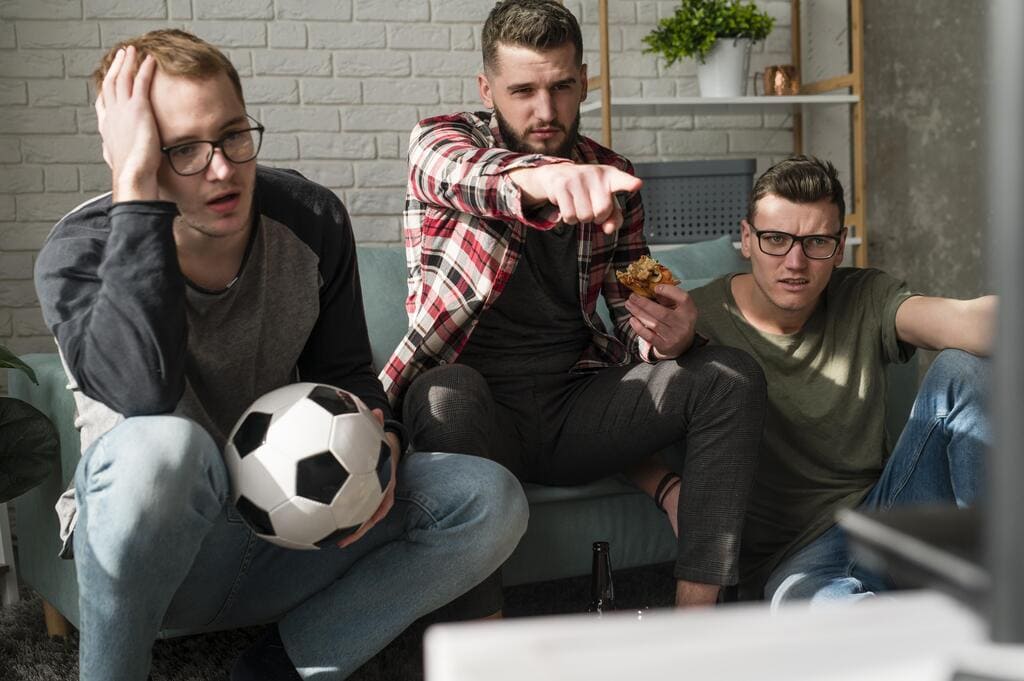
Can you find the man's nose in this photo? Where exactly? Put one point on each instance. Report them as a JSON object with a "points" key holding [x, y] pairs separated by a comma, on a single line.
{"points": [[544, 107], [796, 259], [220, 167]]}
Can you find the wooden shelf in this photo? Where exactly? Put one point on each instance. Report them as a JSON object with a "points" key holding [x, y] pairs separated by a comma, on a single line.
{"points": [[814, 94], [654, 106]]}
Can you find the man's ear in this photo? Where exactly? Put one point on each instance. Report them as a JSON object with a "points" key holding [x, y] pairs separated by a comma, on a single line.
{"points": [[484, 86], [585, 83], [745, 236], [841, 251]]}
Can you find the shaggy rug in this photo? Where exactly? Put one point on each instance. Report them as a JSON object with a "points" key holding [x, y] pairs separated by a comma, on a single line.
{"points": [[27, 654]]}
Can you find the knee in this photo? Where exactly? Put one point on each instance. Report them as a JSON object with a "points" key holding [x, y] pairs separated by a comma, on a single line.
{"points": [[442, 399], [955, 387], [959, 369], [444, 387], [736, 370], [504, 505], [496, 501], [152, 457]]}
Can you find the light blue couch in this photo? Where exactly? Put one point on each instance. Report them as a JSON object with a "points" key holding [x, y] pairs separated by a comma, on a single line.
{"points": [[563, 521]]}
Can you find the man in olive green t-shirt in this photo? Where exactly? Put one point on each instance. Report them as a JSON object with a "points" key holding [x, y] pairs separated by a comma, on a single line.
{"points": [[823, 337]]}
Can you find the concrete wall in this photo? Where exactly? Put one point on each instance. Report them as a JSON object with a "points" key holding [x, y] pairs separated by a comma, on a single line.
{"points": [[924, 87], [338, 83]]}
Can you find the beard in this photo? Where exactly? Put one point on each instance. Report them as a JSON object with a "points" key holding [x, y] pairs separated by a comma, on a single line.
{"points": [[516, 142]]}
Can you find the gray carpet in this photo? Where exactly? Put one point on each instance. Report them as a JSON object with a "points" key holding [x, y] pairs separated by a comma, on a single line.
{"points": [[27, 654]]}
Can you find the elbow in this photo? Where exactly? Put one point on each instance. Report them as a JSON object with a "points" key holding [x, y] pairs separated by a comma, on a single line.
{"points": [[159, 395], [152, 402]]}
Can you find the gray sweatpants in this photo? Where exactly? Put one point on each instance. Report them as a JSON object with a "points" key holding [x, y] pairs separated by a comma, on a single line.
{"points": [[570, 429]]}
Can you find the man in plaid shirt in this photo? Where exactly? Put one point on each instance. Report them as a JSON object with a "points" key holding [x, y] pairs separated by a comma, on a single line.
{"points": [[513, 228]]}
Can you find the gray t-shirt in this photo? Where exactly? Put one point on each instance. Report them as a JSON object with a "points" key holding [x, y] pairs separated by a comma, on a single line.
{"points": [[824, 442]]}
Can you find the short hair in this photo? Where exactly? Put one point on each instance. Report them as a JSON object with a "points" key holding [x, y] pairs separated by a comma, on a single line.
{"points": [[800, 179], [177, 53], [535, 24]]}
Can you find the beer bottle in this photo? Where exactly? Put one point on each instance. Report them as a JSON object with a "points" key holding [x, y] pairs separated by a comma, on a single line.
{"points": [[602, 592]]}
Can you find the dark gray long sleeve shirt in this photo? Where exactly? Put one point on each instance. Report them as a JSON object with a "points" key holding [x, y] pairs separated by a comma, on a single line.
{"points": [[137, 338]]}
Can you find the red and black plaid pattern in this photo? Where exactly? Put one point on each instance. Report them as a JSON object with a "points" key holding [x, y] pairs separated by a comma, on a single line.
{"points": [[464, 230]]}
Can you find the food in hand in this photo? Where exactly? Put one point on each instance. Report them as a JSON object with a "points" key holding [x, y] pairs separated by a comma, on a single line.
{"points": [[644, 274]]}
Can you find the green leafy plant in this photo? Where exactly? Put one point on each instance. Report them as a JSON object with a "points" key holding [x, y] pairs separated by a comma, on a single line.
{"points": [[8, 360], [29, 444], [697, 24], [29, 447]]}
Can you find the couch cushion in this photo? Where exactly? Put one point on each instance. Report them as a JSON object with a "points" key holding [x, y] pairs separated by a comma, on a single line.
{"points": [[565, 521], [383, 279], [701, 260]]}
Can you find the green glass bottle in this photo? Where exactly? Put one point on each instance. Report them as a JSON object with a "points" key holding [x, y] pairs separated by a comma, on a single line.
{"points": [[602, 590]]}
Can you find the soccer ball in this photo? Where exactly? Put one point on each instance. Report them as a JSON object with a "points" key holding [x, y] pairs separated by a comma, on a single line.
{"points": [[308, 465]]}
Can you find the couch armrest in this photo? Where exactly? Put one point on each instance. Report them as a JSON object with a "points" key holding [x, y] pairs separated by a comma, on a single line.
{"points": [[37, 528], [53, 398]]}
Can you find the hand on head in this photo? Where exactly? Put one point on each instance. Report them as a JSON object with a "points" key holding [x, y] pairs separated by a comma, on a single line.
{"points": [[131, 142], [668, 323], [581, 192]]}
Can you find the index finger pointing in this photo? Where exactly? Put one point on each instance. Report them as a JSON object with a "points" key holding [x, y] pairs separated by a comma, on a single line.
{"points": [[619, 181]]}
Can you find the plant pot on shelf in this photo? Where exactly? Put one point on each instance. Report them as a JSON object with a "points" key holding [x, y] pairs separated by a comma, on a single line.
{"points": [[724, 71]]}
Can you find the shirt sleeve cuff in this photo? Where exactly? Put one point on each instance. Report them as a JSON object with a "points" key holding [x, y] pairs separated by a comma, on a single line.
{"points": [[392, 426], [543, 217], [646, 351]]}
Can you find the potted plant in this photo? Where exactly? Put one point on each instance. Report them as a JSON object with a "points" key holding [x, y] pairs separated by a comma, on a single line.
{"points": [[718, 34], [29, 445]]}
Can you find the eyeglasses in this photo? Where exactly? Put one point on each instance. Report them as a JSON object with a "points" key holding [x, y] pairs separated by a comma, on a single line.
{"points": [[815, 246], [238, 146]]}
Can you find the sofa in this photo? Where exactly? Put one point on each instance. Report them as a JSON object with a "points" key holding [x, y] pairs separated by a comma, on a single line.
{"points": [[564, 521]]}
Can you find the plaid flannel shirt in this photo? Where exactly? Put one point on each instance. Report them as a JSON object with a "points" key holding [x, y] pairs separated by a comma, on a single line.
{"points": [[464, 230]]}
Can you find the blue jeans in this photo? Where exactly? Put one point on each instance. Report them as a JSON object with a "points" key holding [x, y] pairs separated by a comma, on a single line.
{"points": [[159, 545], [939, 459]]}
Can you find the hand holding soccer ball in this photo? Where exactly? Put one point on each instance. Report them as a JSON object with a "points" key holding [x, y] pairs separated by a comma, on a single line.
{"points": [[309, 465]]}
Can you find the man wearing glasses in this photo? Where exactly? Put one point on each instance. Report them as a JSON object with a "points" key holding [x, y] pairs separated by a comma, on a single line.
{"points": [[823, 335], [198, 284]]}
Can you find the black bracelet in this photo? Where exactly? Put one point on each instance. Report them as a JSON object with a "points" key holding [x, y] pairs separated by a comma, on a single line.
{"points": [[392, 426]]}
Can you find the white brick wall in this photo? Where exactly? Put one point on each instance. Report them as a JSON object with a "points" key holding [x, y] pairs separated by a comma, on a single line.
{"points": [[338, 83]]}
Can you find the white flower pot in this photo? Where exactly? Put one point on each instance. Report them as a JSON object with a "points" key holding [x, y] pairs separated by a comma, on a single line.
{"points": [[724, 71]]}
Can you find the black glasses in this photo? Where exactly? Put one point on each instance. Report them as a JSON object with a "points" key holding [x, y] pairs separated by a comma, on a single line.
{"points": [[815, 246], [238, 146]]}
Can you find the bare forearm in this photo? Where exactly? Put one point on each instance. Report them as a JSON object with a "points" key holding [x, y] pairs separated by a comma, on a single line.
{"points": [[978, 325], [940, 323]]}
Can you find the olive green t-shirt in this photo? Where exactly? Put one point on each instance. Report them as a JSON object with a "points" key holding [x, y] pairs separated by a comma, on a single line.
{"points": [[824, 441]]}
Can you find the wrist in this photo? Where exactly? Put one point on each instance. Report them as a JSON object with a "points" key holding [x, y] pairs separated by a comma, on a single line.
{"points": [[526, 180], [396, 429], [135, 189]]}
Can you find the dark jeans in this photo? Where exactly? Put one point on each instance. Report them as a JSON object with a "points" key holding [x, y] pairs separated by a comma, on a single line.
{"points": [[570, 429]]}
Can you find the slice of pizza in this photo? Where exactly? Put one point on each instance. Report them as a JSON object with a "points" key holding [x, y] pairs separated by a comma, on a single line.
{"points": [[644, 274]]}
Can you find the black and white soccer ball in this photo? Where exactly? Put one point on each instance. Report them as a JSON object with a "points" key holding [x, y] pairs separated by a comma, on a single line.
{"points": [[308, 464]]}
